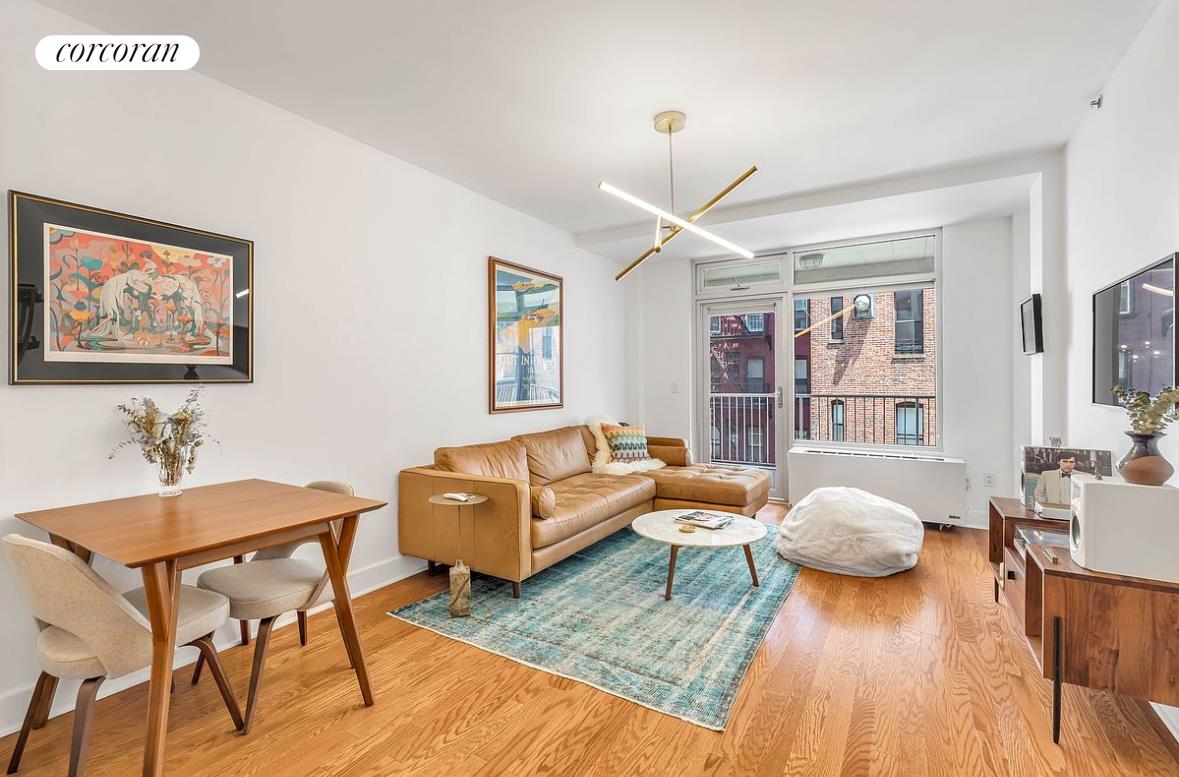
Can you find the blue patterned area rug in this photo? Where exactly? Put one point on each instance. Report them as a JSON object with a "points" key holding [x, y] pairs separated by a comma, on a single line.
{"points": [[599, 617]]}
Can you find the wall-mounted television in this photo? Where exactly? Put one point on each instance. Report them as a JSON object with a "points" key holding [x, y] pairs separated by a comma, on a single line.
{"points": [[1134, 333], [1032, 325]]}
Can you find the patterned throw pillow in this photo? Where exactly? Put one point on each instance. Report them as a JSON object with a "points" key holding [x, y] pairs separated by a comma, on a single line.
{"points": [[628, 450], [627, 443]]}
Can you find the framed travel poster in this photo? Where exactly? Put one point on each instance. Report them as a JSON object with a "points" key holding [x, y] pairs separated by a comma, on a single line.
{"points": [[105, 297], [526, 344]]}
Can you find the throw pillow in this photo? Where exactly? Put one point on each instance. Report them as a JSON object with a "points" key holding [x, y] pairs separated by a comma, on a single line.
{"points": [[602, 454], [544, 502], [628, 451]]}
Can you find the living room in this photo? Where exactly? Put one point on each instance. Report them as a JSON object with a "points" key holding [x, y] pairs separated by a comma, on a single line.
{"points": [[678, 388]]}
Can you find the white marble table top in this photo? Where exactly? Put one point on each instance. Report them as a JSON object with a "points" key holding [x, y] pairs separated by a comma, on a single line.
{"points": [[661, 526]]}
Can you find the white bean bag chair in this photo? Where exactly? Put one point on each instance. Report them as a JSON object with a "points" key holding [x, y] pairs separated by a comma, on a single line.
{"points": [[851, 532]]}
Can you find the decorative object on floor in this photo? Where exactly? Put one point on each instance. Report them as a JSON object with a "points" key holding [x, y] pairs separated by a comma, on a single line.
{"points": [[627, 447], [1134, 333], [526, 338], [669, 123], [1143, 463], [126, 299], [664, 526], [599, 617], [851, 532], [169, 441], [1045, 472], [460, 573]]}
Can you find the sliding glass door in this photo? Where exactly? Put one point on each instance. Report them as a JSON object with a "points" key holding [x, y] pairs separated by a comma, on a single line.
{"points": [[743, 395]]}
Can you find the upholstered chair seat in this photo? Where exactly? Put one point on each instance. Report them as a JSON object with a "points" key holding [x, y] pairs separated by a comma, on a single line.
{"points": [[88, 631], [260, 589], [268, 585]]}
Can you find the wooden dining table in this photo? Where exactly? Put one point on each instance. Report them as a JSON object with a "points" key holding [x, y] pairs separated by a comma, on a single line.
{"points": [[162, 537]]}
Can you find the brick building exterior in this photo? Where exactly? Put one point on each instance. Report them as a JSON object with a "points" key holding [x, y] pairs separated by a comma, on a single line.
{"points": [[868, 379]]}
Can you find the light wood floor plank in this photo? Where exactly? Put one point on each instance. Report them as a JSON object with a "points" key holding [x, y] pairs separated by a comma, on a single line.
{"points": [[919, 675]]}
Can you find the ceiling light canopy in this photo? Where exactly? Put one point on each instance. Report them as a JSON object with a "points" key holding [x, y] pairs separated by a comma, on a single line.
{"points": [[671, 122]]}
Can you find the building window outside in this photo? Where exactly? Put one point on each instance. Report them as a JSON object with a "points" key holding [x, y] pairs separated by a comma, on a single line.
{"points": [[837, 420], [1125, 368], [716, 443], [910, 321], [755, 323], [802, 376], [1125, 299], [755, 441], [836, 323], [802, 314], [714, 325], [755, 375], [910, 423]]}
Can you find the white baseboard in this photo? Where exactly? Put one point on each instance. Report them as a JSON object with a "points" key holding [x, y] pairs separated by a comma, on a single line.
{"points": [[360, 581]]}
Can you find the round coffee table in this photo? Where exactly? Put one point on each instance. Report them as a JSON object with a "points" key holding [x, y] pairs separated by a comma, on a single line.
{"points": [[662, 527]]}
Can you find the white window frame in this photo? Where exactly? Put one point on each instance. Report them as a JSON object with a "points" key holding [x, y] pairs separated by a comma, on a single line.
{"points": [[875, 285]]}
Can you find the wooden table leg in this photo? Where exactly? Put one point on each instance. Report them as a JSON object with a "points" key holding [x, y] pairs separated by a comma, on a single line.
{"points": [[752, 568], [161, 582], [675, 549], [336, 556], [1057, 671]]}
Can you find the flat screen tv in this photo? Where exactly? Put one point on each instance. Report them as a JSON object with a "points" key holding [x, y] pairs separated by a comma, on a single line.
{"points": [[1134, 333], [1032, 323]]}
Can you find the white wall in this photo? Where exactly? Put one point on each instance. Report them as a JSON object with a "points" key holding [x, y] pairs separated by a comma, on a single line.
{"points": [[663, 384], [370, 309], [977, 320], [1123, 212]]}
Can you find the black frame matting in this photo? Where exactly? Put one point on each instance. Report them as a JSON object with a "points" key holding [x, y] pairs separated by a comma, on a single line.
{"points": [[27, 214]]}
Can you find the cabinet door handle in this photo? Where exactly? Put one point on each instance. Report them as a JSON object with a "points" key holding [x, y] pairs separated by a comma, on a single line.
{"points": [[1010, 574]]}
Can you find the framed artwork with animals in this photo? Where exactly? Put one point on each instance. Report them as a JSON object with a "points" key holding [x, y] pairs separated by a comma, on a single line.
{"points": [[105, 297]]}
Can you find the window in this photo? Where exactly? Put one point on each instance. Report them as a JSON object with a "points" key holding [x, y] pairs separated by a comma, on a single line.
{"points": [[909, 337], [837, 322], [910, 423], [714, 325], [1125, 299], [716, 442], [802, 383], [882, 259], [755, 375], [874, 394], [755, 323], [802, 314], [837, 420], [755, 440], [1125, 369]]}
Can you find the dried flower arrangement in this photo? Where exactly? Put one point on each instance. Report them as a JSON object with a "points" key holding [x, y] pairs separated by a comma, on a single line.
{"points": [[170, 441], [1147, 416]]}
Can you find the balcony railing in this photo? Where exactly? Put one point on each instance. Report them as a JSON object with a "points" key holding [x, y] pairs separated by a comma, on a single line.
{"points": [[743, 428], [879, 419]]}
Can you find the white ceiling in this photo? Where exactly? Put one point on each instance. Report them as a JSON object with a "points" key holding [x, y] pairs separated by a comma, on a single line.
{"points": [[531, 102]]}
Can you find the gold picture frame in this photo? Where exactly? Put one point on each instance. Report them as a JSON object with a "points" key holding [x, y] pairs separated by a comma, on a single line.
{"points": [[526, 338]]}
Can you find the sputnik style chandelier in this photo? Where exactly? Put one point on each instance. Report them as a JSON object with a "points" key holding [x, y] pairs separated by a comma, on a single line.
{"points": [[671, 122]]}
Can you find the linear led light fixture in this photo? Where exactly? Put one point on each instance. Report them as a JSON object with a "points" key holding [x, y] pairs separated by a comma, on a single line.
{"points": [[674, 219], [1158, 290]]}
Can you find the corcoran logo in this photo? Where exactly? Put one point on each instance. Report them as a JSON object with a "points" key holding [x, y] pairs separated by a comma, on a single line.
{"points": [[117, 52]]}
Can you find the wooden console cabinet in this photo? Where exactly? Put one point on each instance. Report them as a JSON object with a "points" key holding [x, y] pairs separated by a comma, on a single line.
{"points": [[1107, 632]]}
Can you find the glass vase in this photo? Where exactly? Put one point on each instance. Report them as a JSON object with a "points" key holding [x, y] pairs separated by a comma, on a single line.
{"points": [[171, 473], [1143, 463]]}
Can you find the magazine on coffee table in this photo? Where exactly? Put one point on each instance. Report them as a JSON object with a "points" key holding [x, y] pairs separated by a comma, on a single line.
{"points": [[705, 520]]}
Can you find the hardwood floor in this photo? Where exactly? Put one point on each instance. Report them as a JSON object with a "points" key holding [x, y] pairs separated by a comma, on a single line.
{"points": [[916, 674]]}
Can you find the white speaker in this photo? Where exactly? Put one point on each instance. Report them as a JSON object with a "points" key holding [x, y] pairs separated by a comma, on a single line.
{"points": [[1124, 529]]}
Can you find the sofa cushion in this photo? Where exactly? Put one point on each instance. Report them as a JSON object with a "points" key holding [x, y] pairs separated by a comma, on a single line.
{"points": [[555, 455], [505, 459], [544, 502], [586, 500], [711, 484]]}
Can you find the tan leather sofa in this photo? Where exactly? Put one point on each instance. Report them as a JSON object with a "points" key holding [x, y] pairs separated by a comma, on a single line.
{"points": [[544, 503]]}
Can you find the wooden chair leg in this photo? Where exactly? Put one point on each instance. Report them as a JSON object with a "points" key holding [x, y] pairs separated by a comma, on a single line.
{"points": [[39, 690], [256, 675], [46, 704], [200, 664], [209, 655], [302, 615], [83, 719]]}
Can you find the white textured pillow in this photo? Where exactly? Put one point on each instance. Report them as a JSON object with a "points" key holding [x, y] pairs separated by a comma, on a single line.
{"points": [[602, 456]]}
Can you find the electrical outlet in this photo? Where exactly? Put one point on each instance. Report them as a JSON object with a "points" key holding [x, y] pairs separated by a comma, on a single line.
{"points": [[989, 479]]}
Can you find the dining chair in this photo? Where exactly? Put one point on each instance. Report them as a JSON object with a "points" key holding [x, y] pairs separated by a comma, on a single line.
{"points": [[88, 631], [270, 584]]}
